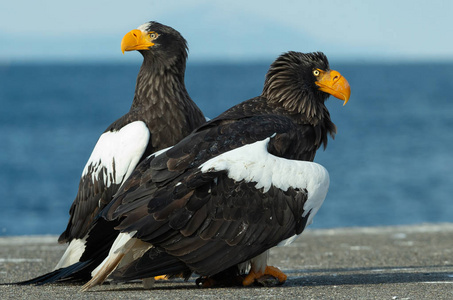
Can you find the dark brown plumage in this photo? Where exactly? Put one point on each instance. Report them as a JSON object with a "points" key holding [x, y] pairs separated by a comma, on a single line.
{"points": [[162, 102], [221, 197], [161, 114]]}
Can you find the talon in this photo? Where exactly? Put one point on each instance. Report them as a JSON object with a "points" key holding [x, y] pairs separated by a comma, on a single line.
{"points": [[270, 270], [274, 271]]}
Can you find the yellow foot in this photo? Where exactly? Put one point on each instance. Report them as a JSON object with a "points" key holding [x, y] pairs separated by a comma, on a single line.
{"points": [[272, 271], [161, 277]]}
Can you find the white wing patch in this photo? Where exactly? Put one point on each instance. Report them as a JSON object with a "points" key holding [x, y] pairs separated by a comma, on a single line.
{"points": [[117, 153], [253, 163]]}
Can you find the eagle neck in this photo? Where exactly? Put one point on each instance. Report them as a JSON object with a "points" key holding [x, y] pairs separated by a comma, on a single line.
{"points": [[163, 103]]}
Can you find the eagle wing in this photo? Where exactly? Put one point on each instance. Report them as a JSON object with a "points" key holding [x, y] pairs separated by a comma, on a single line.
{"points": [[113, 159], [224, 194]]}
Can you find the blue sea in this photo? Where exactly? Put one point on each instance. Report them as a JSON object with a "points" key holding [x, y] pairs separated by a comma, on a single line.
{"points": [[391, 162]]}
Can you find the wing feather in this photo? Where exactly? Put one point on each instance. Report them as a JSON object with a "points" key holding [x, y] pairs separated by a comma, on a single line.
{"points": [[113, 159], [224, 194]]}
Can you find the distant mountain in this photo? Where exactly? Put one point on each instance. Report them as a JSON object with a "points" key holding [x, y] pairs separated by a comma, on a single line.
{"points": [[243, 39], [60, 47]]}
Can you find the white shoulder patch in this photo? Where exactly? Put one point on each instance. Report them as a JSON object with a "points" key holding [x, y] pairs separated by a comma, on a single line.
{"points": [[117, 153], [253, 163]]}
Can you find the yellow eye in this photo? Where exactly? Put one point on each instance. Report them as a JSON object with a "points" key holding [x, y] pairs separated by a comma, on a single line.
{"points": [[153, 35], [316, 72]]}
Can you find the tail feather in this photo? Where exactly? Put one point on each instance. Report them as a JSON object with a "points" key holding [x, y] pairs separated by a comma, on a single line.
{"points": [[121, 246], [96, 248], [78, 272], [103, 272], [130, 258]]}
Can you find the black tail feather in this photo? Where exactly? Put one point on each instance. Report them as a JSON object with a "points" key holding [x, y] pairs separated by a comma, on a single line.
{"points": [[77, 272], [97, 246]]}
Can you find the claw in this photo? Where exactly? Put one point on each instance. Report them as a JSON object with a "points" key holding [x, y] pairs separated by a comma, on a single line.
{"points": [[272, 271]]}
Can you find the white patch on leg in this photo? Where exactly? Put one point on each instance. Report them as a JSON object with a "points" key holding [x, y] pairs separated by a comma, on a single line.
{"points": [[259, 263]]}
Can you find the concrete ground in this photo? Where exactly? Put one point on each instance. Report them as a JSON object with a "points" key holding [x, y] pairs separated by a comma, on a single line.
{"points": [[401, 262]]}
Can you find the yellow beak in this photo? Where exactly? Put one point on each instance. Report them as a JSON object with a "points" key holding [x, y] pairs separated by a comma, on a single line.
{"points": [[333, 83], [136, 40]]}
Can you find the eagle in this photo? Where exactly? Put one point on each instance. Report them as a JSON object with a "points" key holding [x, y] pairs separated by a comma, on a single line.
{"points": [[161, 114], [235, 187]]}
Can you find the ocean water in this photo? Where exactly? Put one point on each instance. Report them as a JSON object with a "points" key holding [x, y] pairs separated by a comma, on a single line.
{"points": [[390, 163]]}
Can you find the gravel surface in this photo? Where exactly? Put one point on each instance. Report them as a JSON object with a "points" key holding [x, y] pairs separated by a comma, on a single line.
{"points": [[401, 262]]}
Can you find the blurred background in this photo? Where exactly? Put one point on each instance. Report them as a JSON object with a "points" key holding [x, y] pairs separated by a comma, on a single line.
{"points": [[63, 80]]}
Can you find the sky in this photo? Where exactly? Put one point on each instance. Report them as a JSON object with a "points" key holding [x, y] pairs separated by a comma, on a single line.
{"points": [[350, 30]]}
